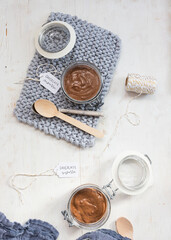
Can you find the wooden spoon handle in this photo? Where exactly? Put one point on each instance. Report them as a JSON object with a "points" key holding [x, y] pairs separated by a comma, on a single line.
{"points": [[81, 112], [80, 125]]}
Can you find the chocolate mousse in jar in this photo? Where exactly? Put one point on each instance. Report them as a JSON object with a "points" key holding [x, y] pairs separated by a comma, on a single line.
{"points": [[88, 207], [81, 82]]}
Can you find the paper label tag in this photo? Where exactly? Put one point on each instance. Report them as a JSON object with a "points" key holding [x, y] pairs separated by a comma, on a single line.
{"points": [[50, 82], [67, 170]]}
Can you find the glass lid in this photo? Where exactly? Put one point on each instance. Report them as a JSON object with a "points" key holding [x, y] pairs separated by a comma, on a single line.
{"points": [[54, 38]]}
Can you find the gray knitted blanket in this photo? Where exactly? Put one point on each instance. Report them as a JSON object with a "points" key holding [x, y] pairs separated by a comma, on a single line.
{"points": [[93, 44]]}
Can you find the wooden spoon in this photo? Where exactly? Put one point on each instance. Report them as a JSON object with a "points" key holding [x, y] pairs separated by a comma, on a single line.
{"points": [[75, 111], [48, 109], [124, 227]]}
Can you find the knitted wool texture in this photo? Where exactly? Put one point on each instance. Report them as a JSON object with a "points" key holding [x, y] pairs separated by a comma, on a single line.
{"points": [[93, 44]]}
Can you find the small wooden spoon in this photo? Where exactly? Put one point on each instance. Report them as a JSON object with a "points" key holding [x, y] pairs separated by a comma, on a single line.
{"points": [[124, 227], [75, 111], [48, 109]]}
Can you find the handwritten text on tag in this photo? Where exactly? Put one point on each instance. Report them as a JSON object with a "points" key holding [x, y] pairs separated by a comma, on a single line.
{"points": [[67, 170], [50, 82]]}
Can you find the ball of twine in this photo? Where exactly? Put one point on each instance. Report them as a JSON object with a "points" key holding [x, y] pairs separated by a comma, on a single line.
{"points": [[140, 84]]}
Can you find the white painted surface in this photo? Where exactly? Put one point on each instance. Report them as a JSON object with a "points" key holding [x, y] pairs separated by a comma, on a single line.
{"points": [[145, 29]]}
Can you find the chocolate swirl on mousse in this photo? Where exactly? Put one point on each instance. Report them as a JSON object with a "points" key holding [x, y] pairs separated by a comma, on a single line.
{"points": [[82, 83], [88, 205]]}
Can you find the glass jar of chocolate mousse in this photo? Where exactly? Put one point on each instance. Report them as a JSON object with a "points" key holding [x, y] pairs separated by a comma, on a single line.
{"points": [[88, 207], [81, 82]]}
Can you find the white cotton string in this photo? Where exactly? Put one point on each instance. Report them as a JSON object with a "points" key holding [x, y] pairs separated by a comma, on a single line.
{"points": [[33, 79], [19, 189], [37, 79], [46, 64], [126, 115], [140, 85]]}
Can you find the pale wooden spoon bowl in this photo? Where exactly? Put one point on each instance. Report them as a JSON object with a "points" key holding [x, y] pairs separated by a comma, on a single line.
{"points": [[48, 109], [124, 227]]}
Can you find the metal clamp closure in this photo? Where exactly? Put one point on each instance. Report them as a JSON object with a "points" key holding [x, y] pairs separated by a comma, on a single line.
{"points": [[111, 193], [67, 218]]}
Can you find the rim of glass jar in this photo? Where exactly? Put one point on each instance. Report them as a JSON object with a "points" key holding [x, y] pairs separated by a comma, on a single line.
{"points": [[100, 222], [59, 54], [144, 167], [149, 180], [89, 64], [51, 27]]}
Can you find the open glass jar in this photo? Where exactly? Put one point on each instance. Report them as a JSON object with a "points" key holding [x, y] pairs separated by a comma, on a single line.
{"points": [[73, 221], [132, 175], [81, 82]]}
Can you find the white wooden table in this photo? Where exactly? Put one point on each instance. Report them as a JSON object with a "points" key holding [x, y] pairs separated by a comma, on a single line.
{"points": [[145, 29]]}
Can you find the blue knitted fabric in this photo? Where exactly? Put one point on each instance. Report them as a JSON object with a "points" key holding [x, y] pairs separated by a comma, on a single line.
{"points": [[93, 44], [102, 234], [32, 230]]}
